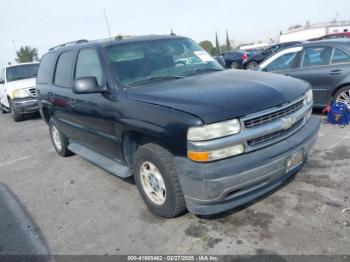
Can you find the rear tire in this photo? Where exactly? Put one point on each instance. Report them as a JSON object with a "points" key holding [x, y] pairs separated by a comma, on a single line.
{"points": [[17, 117], [252, 65], [342, 95], [157, 181], [59, 140]]}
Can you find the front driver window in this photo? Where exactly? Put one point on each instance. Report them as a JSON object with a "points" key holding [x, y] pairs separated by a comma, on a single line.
{"points": [[283, 62], [88, 64], [316, 56]]}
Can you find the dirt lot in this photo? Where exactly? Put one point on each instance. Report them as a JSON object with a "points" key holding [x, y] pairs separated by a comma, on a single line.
{"points": [[81, 209]]}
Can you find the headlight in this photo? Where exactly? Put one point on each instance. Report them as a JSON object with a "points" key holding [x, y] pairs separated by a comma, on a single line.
{"points": [[212, 131], [216, 154], [20, 93], [309, 97]]}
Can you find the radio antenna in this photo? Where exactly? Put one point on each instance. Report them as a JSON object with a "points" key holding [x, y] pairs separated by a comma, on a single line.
{"points": [[107, 23]]}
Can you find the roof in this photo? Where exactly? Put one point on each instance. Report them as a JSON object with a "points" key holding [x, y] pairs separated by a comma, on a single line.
{"points": [[343, 42], [112, 41]]}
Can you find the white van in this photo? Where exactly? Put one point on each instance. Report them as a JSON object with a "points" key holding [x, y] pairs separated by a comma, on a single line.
{"points": [[17, 89]]}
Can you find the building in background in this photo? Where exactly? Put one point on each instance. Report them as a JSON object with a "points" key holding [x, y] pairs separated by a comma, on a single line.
{"points": [[255, 46], [310, 31]]}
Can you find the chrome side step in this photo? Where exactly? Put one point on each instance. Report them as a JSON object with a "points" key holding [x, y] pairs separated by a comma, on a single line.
{"points": [[109, 165]]}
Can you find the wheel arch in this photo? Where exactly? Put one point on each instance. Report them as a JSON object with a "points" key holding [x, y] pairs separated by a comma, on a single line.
{"points": [[132, 140], [46, 114]]}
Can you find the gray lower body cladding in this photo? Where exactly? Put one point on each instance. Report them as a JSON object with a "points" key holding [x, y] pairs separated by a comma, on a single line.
{"points": [[216, 187]]}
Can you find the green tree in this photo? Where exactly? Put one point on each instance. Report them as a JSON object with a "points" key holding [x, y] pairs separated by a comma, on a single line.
{"points": [[217, 49], [228, 43], [207, 46], [27, 54]]}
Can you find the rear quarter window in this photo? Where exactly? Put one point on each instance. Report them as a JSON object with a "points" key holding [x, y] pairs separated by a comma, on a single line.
{"points": [[46, 65], [340, 57]]}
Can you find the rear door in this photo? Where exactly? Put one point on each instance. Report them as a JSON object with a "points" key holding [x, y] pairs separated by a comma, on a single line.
{"points": [[315, 67], [91, 113], [60, 92], [340, 68]]}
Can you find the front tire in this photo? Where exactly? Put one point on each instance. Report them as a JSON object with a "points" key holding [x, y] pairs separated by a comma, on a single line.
{"points": [[59, 140], [2, 109], [234, 65], [17, 117], [158, 182]]}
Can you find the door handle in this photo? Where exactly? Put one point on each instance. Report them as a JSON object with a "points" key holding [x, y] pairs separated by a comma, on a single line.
{"points": [[72, 101], [336, 72]]}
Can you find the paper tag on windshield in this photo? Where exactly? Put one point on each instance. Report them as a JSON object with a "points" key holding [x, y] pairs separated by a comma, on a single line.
{"points": [[203, 56]]}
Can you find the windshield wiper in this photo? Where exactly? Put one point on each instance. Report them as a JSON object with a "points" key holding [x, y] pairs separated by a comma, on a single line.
{"points": [[200, 70], [155, 78]]}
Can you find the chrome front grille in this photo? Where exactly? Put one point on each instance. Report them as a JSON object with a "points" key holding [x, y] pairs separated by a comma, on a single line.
{"points": [[262, 129], [267, 118], [280, 122], [32, 91], [267, 138]]}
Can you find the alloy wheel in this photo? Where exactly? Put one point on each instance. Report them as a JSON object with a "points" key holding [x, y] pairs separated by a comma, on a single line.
{"points": [[344, 97]]}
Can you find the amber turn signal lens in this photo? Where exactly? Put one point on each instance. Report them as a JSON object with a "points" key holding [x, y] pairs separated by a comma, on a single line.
{"points": [[198, 156]]}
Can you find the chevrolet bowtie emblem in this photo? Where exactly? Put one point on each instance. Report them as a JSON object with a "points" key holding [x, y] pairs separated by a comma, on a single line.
{"points": [[288, 122]]}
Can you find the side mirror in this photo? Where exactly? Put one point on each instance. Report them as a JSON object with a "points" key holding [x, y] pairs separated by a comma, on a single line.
{"points": [[87, 85], [2, 82], [263, 69]]}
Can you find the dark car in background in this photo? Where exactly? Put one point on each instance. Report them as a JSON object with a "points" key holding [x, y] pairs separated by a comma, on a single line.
{"points": [[325, 64], [234, 59], [254, 60]]}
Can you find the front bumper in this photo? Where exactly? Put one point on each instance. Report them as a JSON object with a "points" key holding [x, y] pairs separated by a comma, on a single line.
{"points": [[219, 186], [25, 105]]}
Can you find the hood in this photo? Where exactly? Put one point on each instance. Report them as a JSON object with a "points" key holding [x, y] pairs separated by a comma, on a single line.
{"points": [[21, 84], [222, 95]]}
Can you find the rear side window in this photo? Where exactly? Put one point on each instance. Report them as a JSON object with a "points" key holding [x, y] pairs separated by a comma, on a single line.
{"points": [[45, 68], [316, 56], [340, 57], [63, 71], [88, 64]]}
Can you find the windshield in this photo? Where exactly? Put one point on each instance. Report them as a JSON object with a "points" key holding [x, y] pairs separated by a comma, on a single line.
{"points": [[21, 72], [141, 62]]}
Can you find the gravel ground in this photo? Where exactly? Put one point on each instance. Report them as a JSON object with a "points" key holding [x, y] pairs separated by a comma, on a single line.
{"points": [[80, 209]]}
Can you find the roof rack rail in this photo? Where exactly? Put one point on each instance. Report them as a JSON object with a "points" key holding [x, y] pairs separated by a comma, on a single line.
{"points": [[81, 41]]}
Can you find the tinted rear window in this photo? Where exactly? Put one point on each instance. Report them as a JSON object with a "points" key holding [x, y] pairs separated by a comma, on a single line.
{"points": [[46, 65], [63, 72]]}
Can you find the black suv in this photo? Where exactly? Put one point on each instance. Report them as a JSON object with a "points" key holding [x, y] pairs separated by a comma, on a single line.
{"points": [[159, 108]]}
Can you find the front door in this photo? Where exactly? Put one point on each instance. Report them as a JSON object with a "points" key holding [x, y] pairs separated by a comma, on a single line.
{"points": [[315, 68], [91, 113]]}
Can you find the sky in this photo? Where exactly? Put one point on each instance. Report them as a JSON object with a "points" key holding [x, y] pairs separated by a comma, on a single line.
{"points": [[43, 24]]}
